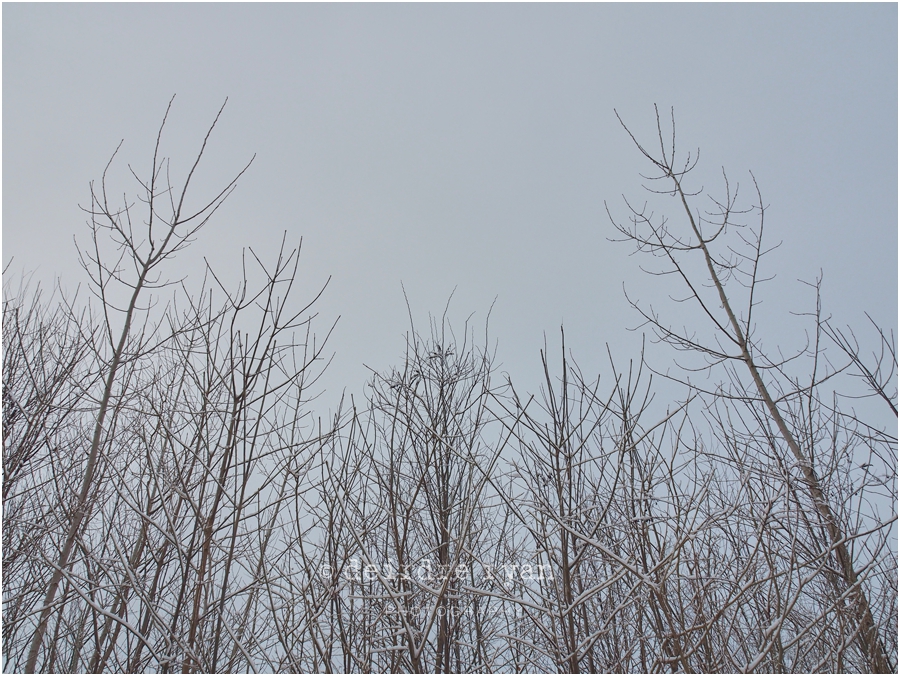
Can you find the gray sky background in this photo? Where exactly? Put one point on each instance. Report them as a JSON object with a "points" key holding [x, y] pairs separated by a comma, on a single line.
{"points": [[467, 146]]}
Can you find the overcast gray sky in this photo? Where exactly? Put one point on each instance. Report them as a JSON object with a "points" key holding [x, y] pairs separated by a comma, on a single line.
{"points": [[465, 146]]}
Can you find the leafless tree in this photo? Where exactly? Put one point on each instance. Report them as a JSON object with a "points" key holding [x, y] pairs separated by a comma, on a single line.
{"points": [[172, 503], [422, 516], [768, 407], [146, 510]]}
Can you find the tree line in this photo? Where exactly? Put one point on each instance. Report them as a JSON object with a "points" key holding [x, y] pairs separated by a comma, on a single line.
{"points": [[172, 503]]}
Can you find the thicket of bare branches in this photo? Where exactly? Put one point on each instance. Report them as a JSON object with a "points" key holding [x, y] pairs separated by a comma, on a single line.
{"points": [[172, 503]]}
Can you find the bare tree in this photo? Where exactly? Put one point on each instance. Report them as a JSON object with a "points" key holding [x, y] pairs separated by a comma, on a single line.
{"points": [[171, 502], [185, 423], [779, 409], [46, 382], [558, 493], [421, 518]]}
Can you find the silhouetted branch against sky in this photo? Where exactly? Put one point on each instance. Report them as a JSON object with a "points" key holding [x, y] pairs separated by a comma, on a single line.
{"points": [[441, 347]]}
